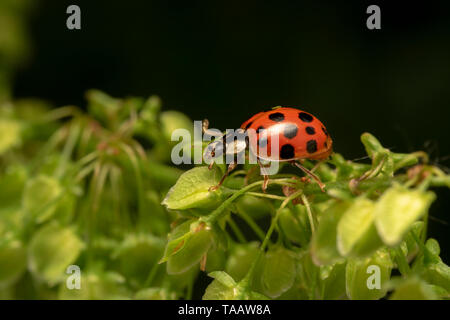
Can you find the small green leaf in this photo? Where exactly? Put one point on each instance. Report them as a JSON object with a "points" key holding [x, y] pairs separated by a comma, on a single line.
{"points": [[356, 234], [215, 260], [13, 262], [177, 239], [172, 120], [278, 271], [396, 211], [254, 207], [240, 258], [223, 278], [223, 287], [333, 281], [136, 255], [295, 224], [12, 183], [438, 274], [366, 278], [96, 285], [323, 245], [10, 133], [155, 294], [413, 289], [411, 245], [371, 144], [40, 197], [194, 248], [52, 249], [192, 190]]}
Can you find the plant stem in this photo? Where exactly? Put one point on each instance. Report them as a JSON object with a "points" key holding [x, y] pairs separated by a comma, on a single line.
{"points": [[265, 195], [151, 275], [402, 263], [218, 213], [308, 209], [246, 281], [236, 231], [275, 218], [252, 224]]}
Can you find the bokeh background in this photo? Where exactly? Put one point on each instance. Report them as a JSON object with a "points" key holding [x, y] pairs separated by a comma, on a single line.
{"points": [[226, 60]]}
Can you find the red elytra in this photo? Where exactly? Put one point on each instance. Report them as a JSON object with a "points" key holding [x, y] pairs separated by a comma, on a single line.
{"points": [[300, 135]]}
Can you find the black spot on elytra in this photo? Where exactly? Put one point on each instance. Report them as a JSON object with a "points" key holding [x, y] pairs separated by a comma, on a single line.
{"points": [[287, 151], [260, 128], [305, 117], [325, 144], [311, 146], [290, 130], [277, 116], [325, 131], [310, 130], [248, 125]]}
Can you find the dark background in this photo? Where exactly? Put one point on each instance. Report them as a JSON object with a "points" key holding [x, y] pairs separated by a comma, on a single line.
{"points": [[226, 60]]}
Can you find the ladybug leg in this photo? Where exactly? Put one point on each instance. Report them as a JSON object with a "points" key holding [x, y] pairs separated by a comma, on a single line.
{"points": [[231, 167], [205, 125], [266, 176], [249, 173], [312, 175], [317, 165], [265, 183]]}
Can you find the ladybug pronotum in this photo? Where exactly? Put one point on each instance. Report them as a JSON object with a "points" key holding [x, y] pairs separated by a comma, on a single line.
{"points": [[300, 136]]}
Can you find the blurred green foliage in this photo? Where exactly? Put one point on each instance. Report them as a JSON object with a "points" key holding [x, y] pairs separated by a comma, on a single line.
{"points": [[96, 189]]}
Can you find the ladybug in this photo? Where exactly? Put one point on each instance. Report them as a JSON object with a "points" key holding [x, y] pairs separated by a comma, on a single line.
{"points": [[299, 134]]}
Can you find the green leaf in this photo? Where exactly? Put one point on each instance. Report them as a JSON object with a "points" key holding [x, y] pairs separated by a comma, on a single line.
{"points": [[222, 288], [431, 267], [371, 144], [356, 233], [218, 291], [177, 239], [192, 251], [136, 255], [278, 271], [323, 245], [295, 224], [366, 278], [413, 289], [223, 278], [103, 107], [396, 211], [411, 245], [172, 120], [13, 262], [10, 133], [52, 249], [438, 274], [96, 285], [40, 197], [241, 257], [192, 190], [332, 281], [216, 260], [254, 207], [155, 294], [12, 183], [225, 288]]}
